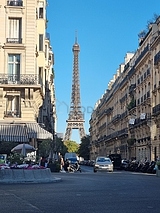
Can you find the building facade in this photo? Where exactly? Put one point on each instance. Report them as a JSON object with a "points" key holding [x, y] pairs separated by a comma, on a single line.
{"points": [[126, 120], [27, 93]]}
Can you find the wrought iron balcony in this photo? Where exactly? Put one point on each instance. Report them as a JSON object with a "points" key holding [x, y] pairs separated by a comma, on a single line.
{"points": [[12, 114], [139, 121], [148, 94], [123, 132], [23, 79], [123, 115], [132, 88], [15, 3], [132, 104], [143, 53], [14, 40], [157, 58], [156, 110], [102, 127], [124, 98], [116, 118], [148, 72], [109, 110]]}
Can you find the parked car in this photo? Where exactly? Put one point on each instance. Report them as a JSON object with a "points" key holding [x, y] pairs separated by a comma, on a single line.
{"points": [[103, 163]]}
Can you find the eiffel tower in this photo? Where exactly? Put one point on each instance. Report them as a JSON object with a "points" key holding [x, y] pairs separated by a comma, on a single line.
{"points": [[76, 118]]}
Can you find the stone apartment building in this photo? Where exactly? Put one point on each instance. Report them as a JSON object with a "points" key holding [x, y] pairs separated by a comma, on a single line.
{"points": [[27, 96], [126, 120]]}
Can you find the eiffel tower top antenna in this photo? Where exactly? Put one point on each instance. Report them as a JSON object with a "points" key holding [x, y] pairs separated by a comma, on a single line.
{"points": [[76, 37], [75, 120]]}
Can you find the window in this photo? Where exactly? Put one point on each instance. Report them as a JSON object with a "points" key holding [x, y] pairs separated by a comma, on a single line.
{"points": [[41, 10], [46, 51], [15, 29], [40, 42], [40, 75], [12, 106], [13, 68], [15, 3]]}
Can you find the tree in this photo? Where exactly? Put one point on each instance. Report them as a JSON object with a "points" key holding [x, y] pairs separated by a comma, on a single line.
{"points": [[72, 146], [60, 146], [57, 145], [6, 147], [83, 150], [45, 148]]}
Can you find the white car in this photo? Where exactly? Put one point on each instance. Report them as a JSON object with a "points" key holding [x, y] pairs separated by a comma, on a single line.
{"points": [[103, 164]]}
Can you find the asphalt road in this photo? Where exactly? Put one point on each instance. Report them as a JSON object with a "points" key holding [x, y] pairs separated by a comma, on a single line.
{"points": [[86, 192]]}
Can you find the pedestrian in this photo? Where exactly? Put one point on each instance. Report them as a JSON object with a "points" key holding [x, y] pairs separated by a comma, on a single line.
{"points": [[61, 163], [43, 161], [66, 165]]}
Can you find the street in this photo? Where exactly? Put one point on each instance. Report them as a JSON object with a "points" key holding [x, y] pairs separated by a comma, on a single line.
{"points": [[117, 192]]}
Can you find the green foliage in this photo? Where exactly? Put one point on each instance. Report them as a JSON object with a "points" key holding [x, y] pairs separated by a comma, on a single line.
{"points": [[72, 146], [131, 104], [6, 147], [83, 150], [15, 158], [60, 146], [45, 147], [54, 166], [131, 141]]}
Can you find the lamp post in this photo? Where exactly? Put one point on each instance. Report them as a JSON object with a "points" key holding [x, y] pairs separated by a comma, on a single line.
{"points": [[54, 143]]}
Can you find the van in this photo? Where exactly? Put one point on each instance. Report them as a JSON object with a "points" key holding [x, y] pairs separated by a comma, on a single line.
{"points": [[72, 157]]}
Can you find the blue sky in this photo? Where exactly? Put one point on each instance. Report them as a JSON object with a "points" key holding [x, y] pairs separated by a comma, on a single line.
{"points": [[107, 30]]}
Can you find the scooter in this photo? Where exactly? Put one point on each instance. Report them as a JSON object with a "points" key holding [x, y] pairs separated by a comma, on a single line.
{"points": [[75, 168]]}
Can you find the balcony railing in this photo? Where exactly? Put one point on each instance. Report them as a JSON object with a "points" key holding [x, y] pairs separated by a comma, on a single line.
{"points": [[148, 94], [109, 110], [124, 98], [139, 121], [132, 88], [14, 40], [156, 110], [15, 3], [116, 118], [12, 114], [123, 132], [157, 58], [146, 49], [23, 79]]}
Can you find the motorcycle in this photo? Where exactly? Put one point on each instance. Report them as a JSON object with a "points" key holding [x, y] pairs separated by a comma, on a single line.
{"points": [[75, 167]]}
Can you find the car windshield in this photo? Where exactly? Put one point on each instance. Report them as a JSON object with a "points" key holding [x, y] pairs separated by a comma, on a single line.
{"points": [[72, 159], [103, 160]]}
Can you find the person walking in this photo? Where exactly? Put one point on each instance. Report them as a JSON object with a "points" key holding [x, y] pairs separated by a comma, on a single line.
{"points": [[61, 163], [42, 162], [66, 165]]}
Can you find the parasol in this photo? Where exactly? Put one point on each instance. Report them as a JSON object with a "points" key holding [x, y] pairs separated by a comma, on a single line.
{"points": [[23, 149]]}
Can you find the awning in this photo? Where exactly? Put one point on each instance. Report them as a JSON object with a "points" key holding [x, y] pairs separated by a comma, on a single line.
{"points": [[23, 132], [35, 131], [13, 133]]}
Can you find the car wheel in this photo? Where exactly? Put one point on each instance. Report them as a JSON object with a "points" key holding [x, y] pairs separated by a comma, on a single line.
{"points": [[95, 170]]}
